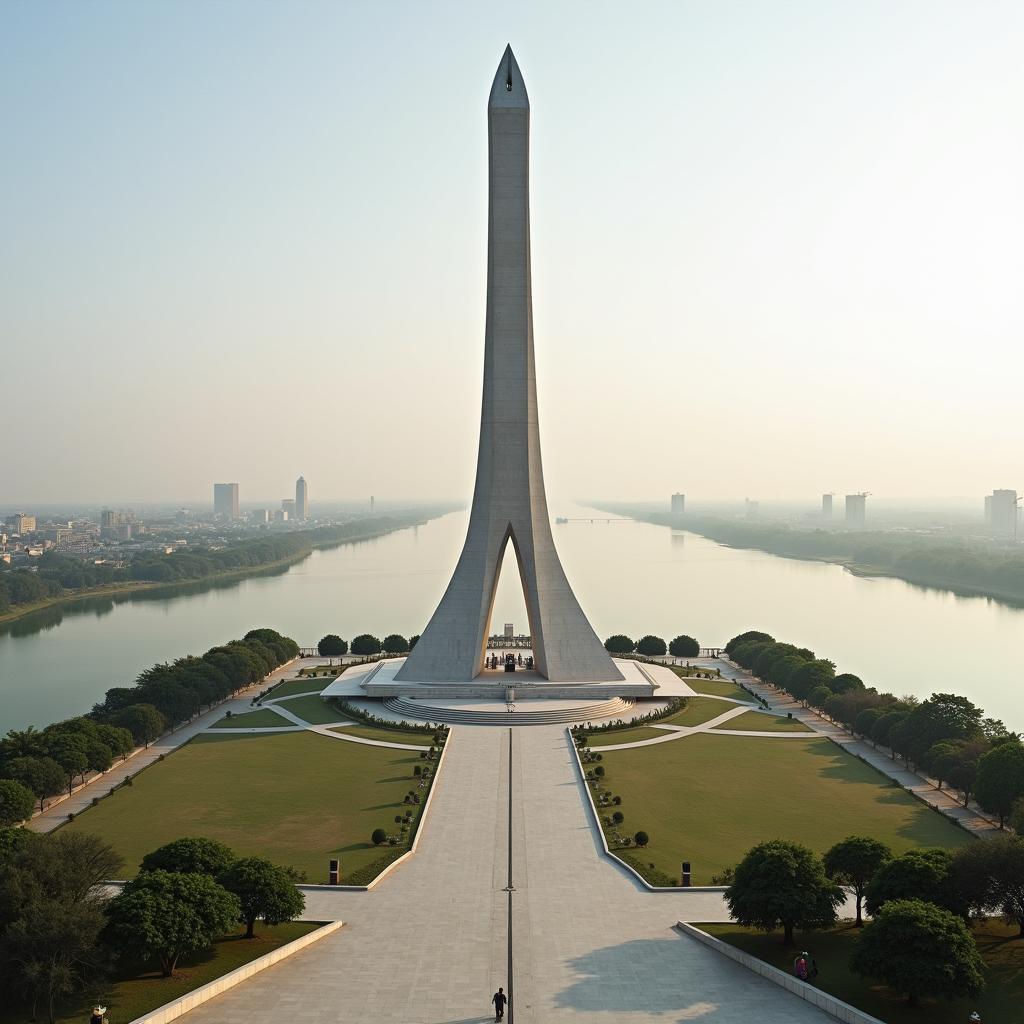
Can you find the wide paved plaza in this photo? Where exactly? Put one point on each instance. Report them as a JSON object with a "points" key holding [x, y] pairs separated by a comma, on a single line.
{"points": [[429, 943]]}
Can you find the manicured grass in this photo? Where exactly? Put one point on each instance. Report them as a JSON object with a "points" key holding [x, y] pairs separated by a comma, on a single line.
{"points": [[313, 709], [709, 799], [641, 732], [698, 710], [297, 798], [754, 721], [720, 688], [322, 671], [367, 732], [136, 989], [1001, 1001], [249, 719], [290, 687], [689, 671]]}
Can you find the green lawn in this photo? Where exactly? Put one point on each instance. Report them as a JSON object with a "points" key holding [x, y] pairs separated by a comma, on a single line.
{"points": [[641, 732], [290, 687], [296, 798], [698, 710], [720, 688], [249, 719], [754, 721], [689, 671], [313, 709], [419, 739], [137, 989], [1001, 1001], [322, 670], [707, 800]]}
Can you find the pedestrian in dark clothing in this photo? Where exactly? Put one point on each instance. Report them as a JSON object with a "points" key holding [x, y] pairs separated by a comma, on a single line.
{"points": [[499, 999]]}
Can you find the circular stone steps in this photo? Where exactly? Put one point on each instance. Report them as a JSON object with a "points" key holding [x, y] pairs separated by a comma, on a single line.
{"points": [[483, 712]]}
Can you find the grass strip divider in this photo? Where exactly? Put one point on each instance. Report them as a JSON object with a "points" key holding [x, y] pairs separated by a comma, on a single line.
{"points": [[596, 818], [420, 823], [802, 989], [190, 1000]]}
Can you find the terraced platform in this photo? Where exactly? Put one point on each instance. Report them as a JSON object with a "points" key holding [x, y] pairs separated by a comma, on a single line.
{"points": [[528, 712]]}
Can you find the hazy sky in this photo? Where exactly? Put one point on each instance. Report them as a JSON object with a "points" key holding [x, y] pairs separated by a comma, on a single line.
{"points": [[777, 246]]}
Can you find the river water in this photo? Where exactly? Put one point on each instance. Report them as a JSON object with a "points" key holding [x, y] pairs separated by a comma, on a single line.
{"points": [[630, 577]]}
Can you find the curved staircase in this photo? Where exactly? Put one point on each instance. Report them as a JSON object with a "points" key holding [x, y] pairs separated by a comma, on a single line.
{"points": [[491, 713]]}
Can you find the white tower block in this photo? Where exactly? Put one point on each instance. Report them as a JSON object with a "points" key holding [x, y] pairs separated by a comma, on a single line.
{"points": [[509, 503]]}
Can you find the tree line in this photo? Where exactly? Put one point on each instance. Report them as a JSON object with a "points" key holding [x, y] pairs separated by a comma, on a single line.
{"points": [[36, 765], [365, 645], [57, 574], [63, 937], [947, 735], [947, 563], [653, 646]]}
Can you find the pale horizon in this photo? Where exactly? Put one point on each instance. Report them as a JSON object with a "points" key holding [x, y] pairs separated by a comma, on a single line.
{"points": [[775, 252]]}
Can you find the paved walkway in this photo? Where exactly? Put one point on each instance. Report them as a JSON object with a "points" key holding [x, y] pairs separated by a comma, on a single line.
{"points": [[970, 817], [428, 945]]}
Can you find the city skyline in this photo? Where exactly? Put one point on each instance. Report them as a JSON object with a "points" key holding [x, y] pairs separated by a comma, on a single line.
{"points": [[799, 225]]}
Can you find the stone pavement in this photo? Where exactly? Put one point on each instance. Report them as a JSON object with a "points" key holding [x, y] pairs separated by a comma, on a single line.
{"points": [[428, 946]]}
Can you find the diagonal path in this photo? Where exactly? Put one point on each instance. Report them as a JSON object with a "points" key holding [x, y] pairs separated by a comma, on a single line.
{"points": [[429, 944]]}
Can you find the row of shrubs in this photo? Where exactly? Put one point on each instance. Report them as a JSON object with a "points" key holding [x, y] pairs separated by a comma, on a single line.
{"points": [[365, 645], [438, 729], [580, 732], [946, 735], [653, 646]]}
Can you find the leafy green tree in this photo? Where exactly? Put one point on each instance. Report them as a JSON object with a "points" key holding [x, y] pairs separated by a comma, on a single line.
{"points": [[1017, 816], [1000, 781], [119, 741], [865, 720], [882, 729], [641, 838], [943, 716], [810, 675], [915, 875], [619, 644], [394, 643], [684, 647], [192, 855], [414, 640], [332, 646], [650, 646], [264, 890], [163, 915], [782, 669], [819, 697], [919, 949], [365, 644], [17, 802], [846, 681], [750, 636], [42, 775], [143, 721], [992, 874], [854, 862], [782, 884], [379, 836]]}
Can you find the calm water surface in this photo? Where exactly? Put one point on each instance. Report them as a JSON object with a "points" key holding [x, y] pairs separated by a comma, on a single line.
{"points": [[630, 577]]}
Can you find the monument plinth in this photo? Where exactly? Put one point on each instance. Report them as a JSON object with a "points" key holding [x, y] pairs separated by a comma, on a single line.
{"points": [[509, 503]]}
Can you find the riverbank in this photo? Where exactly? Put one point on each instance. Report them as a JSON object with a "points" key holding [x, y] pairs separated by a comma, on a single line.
{"points": [[841, 548], [129, 589]]}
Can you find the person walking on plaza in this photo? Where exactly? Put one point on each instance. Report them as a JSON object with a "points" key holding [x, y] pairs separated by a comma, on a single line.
{"points": [[800, 966], [499, 999]]}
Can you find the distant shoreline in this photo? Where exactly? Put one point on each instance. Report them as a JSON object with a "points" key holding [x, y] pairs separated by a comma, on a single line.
{"points": [[225, 576]]}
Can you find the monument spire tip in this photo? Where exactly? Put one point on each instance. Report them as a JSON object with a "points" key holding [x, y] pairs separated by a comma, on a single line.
{"points": [[508, 89]]}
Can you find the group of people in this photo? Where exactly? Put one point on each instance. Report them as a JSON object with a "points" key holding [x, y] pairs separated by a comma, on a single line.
{"points": [[805, 967], [509, 661]]}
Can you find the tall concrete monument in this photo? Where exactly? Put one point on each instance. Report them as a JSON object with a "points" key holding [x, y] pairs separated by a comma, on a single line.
{"points": [[509, 503]]}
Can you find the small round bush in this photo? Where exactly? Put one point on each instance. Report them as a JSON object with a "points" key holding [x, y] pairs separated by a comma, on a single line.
{"points": [[417, 770], [599, 771], [641, 839], [379, 836], [618, 817], [616, 800], [619, 644], [651, 646], [398, 819], [684, 647]]}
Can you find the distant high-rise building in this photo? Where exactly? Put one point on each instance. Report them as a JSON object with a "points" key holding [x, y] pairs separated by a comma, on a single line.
{"points": [[751, 508], [371, 504], [856, 510], [260, 515], [288, 507], [988, 510], [826, 506], [21, 523], [678, 504], [225, 500], [113, 525], [281, 515], [1004, 514], [301, 499]]}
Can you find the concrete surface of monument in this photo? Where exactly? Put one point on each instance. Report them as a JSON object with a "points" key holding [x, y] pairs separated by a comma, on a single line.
{"points": [[509, 504]]}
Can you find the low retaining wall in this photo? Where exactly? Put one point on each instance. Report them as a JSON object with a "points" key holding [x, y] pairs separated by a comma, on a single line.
{"points": [[177, 1007], [836, 1007]]}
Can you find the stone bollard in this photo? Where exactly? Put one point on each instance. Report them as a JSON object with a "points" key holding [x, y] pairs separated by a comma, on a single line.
{"points": [[686, 875]]}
